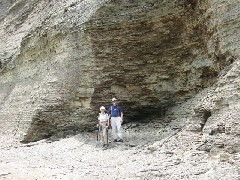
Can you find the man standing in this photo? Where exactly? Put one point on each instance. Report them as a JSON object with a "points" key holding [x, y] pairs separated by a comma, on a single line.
{"points": [[116, 115]]}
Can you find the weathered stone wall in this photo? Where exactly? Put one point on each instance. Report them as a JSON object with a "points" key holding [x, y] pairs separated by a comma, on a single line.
{"points": [[45, 82], [150, 54], [4, 5], [59, 61], [221, 126]]}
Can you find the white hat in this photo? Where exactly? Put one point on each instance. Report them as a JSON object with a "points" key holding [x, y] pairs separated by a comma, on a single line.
{"points": [[102, 108], [114, 99]]}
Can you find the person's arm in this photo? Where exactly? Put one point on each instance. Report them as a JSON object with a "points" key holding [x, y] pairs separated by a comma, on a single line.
{"points": [[108, 118], [109, 112], [108, 123], [121, 114], [98, 120], [121, 117]]}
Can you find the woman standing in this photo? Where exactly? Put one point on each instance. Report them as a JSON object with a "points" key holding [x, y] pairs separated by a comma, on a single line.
{"points": [[103, 122]]}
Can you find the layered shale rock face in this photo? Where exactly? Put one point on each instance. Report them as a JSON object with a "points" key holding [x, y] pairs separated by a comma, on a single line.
{"points": [[59, 61], [3, 7], [150, 54], [217, 115], [46, 69]]}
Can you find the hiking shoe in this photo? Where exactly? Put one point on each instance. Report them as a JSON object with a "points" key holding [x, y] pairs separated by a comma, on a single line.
{"points": [[104, 146], [115, 140], [120, 140]]}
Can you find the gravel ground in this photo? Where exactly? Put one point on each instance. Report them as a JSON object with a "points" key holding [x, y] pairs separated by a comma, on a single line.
{"points": [[155, 154], [161, 149]]}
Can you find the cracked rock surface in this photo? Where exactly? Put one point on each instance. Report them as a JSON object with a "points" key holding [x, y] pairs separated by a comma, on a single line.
{"points": [[61, 60], [174, 65], [169, 150]]}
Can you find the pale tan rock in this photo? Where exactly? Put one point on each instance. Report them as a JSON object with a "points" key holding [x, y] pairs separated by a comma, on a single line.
{"points": [[58, 60], [172, 63]]}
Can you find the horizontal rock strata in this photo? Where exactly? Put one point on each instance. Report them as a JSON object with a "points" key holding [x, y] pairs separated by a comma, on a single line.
{"points": [[59, 61]]}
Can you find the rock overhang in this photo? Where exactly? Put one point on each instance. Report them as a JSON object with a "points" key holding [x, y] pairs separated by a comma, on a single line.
{"points": [[150, 55]]}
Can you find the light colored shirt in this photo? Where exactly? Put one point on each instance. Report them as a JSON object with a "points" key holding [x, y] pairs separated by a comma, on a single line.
{"points": [[103, 117]]}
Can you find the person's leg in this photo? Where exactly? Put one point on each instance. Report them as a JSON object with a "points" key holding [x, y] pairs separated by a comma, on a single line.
{"points": [[104, 133], [114, 128], [118, 125], [100, 133]]}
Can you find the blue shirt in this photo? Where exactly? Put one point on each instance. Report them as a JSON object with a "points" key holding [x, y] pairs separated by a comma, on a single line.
{"points": [[115, 111]]}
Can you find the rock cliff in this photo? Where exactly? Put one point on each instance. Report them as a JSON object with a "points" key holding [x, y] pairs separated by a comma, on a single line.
{"points": [[61, 60], [173, 64]]}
